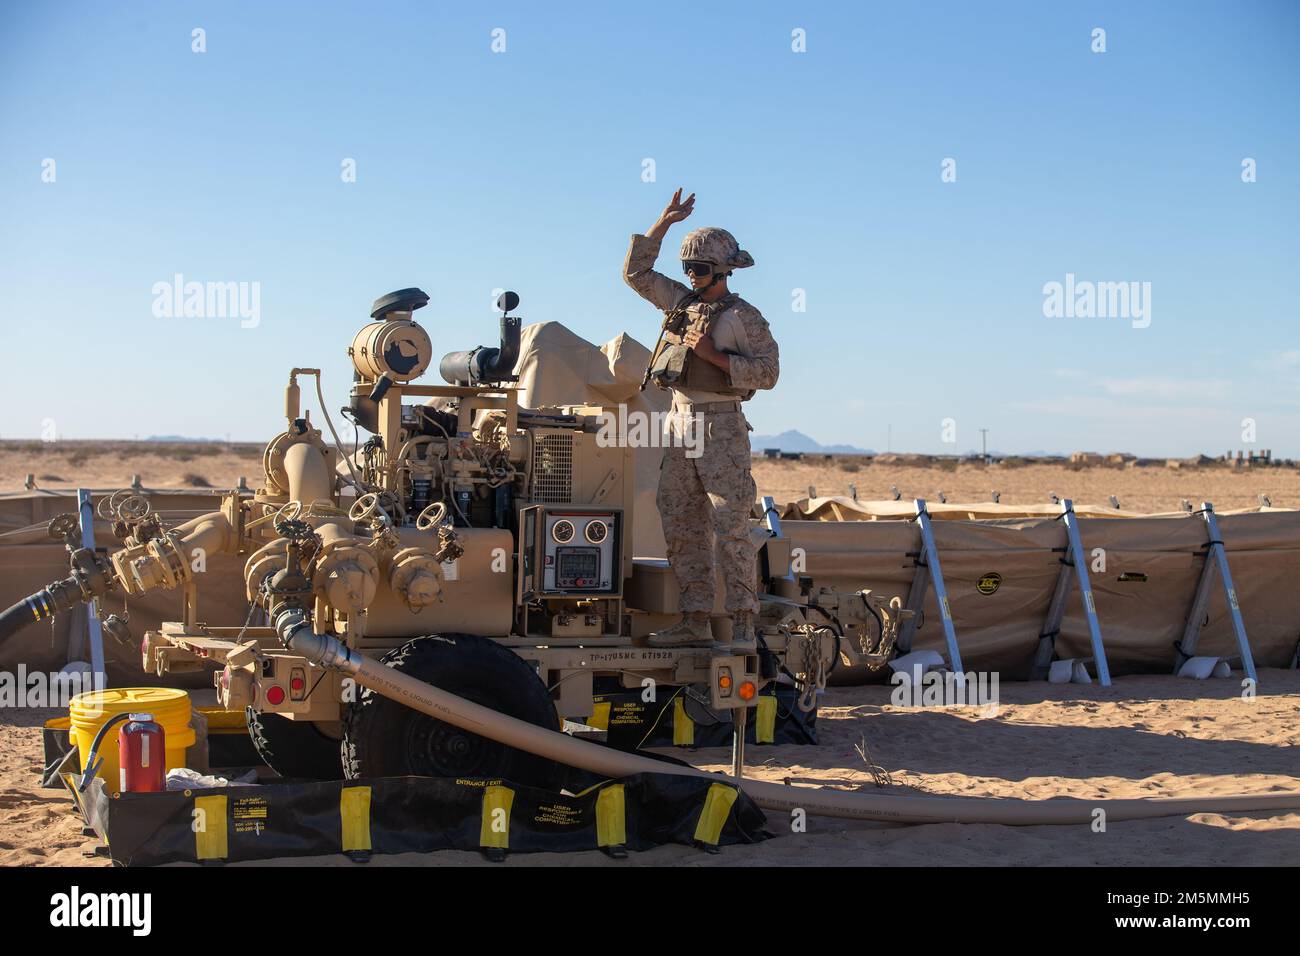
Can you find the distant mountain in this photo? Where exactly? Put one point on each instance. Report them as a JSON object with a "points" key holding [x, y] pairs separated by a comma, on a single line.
{"points": [[798, 441], [178, 438]]}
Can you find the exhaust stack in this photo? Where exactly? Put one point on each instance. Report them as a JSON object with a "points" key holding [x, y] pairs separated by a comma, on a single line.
{"points": [[485, 365]]}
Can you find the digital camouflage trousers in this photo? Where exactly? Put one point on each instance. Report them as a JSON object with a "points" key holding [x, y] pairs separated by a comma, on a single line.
{"points": [[710, 497]]}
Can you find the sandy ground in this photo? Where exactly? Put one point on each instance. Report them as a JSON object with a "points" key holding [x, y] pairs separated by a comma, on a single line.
{"points": [[1149, 490], [109, 464], [61, 465], [1145, 736], [37, 827]]}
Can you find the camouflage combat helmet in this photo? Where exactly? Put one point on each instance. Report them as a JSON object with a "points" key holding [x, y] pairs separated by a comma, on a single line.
{"points": [[716, 246]]}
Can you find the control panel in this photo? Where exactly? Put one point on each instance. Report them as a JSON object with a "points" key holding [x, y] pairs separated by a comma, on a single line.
{"points": [[580, 551], [571, 550]]}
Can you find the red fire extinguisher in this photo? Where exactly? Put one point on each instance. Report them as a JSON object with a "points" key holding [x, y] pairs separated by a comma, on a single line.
{"points": [[142, 755]]}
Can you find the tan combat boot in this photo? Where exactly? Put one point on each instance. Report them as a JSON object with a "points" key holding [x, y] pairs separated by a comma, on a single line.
{"points": [[742, 632], [691, 631]]}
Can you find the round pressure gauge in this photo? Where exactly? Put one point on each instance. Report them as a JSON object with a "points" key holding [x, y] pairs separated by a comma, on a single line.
{"points": [[596, 531], [562, 531]]}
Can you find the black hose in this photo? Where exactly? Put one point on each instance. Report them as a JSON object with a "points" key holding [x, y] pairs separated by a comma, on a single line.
{"points": [[15, 619], [93, 765], [44, 604]]}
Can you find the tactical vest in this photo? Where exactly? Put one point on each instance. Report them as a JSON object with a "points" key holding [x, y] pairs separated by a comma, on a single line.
{"points": [[674, 365]]}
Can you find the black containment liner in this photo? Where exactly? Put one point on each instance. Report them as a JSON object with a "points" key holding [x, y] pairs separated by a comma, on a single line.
{"points": [[418, 814]]}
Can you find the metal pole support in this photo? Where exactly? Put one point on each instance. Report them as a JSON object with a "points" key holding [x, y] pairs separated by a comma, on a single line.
{"points": [[94, 631], [929, 572], [1216, 564], [1074, 566]]}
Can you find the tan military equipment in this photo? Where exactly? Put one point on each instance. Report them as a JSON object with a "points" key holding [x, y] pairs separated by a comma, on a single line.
{"points": [[469, 543]]}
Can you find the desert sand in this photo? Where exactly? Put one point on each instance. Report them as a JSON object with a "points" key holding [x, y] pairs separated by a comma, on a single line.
{"points": [[66, 464], [1142, 737], [1147, 489]]}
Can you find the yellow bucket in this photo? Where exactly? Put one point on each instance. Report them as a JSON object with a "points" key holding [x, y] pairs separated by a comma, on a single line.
{"points": [[89, 712]]}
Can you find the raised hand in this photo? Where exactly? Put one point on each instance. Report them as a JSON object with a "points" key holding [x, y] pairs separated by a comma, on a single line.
{"points": [[678, 208]]}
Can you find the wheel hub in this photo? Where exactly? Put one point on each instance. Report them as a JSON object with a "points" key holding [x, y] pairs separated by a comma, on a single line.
{"points": [[440, 749]]}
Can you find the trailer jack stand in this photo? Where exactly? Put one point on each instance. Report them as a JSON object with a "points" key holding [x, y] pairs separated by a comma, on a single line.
{"points": [[740, 719]]}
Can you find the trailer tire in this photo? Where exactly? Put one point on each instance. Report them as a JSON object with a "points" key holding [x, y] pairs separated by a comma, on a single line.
{"points": [[294, 748], [383, 738]]}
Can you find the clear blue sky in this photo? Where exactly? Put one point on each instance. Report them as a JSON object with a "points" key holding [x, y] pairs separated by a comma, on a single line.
{"points": [[478, 170]]}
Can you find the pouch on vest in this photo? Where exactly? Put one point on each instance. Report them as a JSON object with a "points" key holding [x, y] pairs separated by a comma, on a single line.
{"points": [[676, 366], [669, 366]]}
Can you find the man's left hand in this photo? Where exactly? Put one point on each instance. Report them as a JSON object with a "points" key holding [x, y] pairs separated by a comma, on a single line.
{"points": [[702, 345]]}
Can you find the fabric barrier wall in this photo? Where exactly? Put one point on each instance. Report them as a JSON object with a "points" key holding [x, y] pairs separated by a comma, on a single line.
{"points": [[1160, 559]]}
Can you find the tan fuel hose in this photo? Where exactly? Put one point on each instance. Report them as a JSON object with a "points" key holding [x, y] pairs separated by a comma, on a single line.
{"points": [[566, 750]]}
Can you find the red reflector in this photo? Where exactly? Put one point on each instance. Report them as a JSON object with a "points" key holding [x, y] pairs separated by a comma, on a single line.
{"points": [[275, 694], [297, 684]]}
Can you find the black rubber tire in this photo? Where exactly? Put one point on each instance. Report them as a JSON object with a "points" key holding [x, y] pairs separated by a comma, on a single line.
{"points": [[382, 738], [294, 748]]}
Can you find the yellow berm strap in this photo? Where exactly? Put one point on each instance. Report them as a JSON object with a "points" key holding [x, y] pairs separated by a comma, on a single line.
{"points": [[209, 824], [354, 812], [611, 817], [494, 830], [683, 726], [599, 718], [717, 807], [765, 727]]}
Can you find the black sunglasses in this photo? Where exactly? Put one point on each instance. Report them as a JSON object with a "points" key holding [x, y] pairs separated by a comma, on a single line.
{"points": [[697, 267]]}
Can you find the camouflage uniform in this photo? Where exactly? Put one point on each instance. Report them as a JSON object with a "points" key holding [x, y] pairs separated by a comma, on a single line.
{"points": [[716, 490]]}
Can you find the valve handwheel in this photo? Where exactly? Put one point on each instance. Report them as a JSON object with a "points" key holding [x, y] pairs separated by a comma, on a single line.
{"points": [[133, 507], [62, 526], [105, 509], [288, 511], [432, 516], [287, 523], [364, 507]]}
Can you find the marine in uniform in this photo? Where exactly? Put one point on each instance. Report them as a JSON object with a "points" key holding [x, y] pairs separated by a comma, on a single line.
{"points": [[715, 352]]}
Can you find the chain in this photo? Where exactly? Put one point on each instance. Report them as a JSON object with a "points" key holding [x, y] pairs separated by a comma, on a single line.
{"points": [[884, 649], [813, 667]]}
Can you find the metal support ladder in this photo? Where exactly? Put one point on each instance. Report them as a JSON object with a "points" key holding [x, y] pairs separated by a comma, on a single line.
{"points": [[1072, 565], [94, 632], [1216, 565], [928, 571]]}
